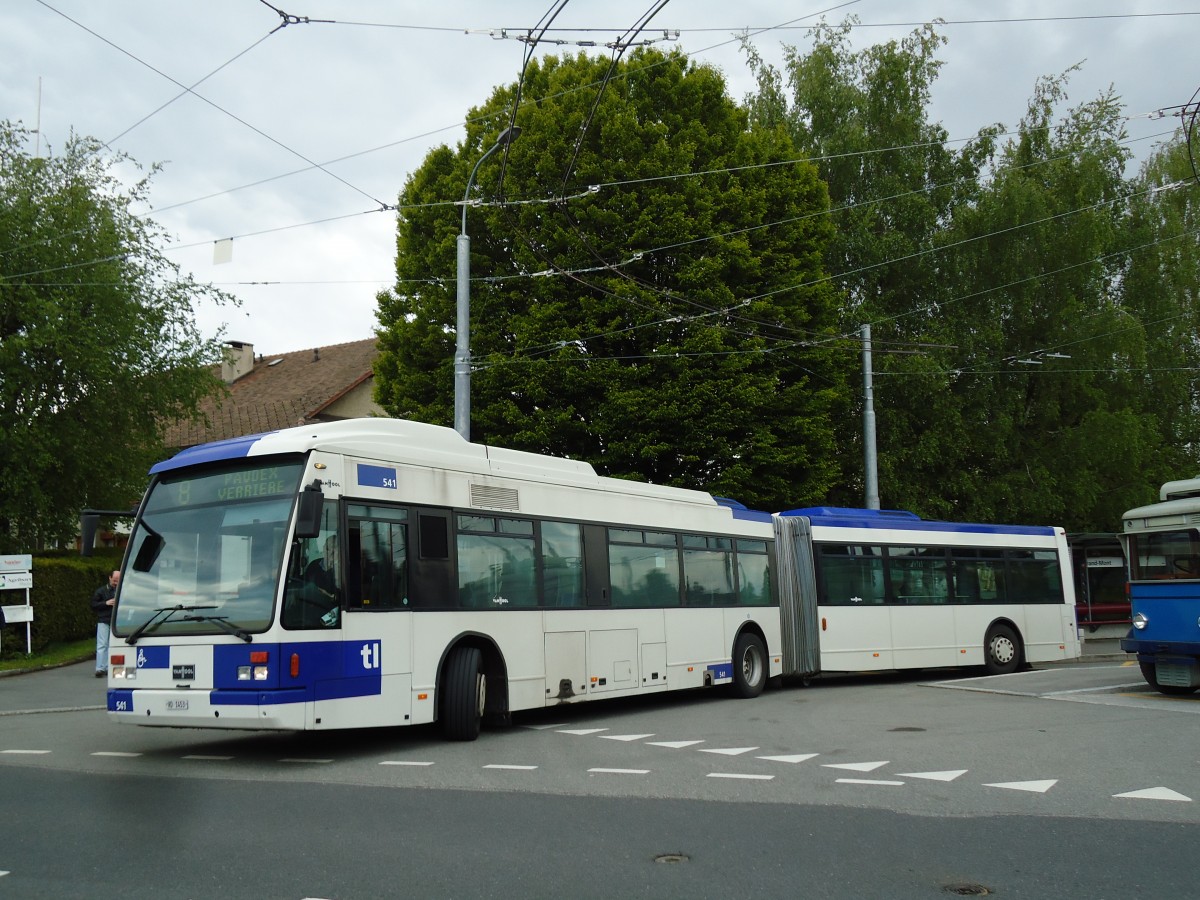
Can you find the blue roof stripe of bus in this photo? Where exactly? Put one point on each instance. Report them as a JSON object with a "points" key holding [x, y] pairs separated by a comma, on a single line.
{"points": [[233, 448], [741, 511], [902, 520]]}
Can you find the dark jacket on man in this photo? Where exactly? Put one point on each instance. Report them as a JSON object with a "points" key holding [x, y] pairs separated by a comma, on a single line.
{"points": [[100, 599]]}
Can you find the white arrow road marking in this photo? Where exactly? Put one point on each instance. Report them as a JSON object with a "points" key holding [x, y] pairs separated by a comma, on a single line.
{"points": [[934, 776], [728, 751], [794, 758], [581, 731], [625, 737], [511, 768], [856, 767], [403, 762], [674, 745], [544, 727], [1155, 793], [742, 777], [1036, 787]]}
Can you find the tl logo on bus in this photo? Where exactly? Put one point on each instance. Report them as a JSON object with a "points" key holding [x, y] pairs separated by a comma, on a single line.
{"points": [[370, 655]]}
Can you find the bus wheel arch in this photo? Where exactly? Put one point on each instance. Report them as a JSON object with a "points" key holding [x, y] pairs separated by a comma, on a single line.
{"points": [[751, 668], [1003, 650], [472, 687]]}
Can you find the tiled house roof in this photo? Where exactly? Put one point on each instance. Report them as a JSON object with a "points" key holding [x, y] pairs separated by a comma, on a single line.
{"points": [[269, 392]]}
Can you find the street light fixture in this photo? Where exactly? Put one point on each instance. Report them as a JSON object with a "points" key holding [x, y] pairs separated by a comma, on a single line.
{"points": [[462, 347]]}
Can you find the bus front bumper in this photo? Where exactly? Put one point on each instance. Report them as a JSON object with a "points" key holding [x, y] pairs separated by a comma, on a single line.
{"points": [[281, 709]]}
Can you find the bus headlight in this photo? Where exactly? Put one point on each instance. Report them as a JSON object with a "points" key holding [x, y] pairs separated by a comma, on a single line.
{"points": [[124, 672], [252, 673], [1140, 621]]}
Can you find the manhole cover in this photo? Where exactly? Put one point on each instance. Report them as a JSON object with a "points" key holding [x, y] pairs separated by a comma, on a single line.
{"points": [[966, 889], [671, 858]]}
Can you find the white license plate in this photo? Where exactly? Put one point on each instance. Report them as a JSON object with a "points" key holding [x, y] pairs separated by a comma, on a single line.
{"points": [[176, 705]]}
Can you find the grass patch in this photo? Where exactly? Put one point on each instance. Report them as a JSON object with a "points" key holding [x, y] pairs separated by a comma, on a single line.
{"points": [[53, 655]]}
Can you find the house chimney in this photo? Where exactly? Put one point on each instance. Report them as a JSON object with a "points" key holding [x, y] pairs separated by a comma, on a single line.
{"points": [[238, 361]]}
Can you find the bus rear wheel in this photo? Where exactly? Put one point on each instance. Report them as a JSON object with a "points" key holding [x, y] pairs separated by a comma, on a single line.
{"points": [[464, 694], [749, 665], [1001, 652]]}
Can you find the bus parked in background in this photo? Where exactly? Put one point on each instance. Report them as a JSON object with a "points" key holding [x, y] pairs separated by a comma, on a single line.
{"points": [[1162, 544], [380, 572]]}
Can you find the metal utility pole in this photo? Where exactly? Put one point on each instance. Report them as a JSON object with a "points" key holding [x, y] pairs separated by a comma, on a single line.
{"points": [[462, 344], [870, 461]]}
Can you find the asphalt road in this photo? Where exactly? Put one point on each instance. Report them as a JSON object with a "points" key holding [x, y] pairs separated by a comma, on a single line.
{"points": [[1069, 782]]}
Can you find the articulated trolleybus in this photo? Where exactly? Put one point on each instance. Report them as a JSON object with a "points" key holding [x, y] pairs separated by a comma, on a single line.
{"points": [[378, 572], [1162, 546]]}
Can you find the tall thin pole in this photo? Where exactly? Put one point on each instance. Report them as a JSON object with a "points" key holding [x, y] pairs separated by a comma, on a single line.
{"points": [[870, 461], [462, 342]]}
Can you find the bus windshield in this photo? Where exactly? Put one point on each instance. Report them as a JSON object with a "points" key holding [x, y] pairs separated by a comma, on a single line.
{"points": [[1165, 555], [207, 551]]}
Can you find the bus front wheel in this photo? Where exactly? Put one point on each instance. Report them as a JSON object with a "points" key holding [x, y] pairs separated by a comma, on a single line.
{"points": [[1000, 650], [464, 694], [749, 665], [1151, 676]]}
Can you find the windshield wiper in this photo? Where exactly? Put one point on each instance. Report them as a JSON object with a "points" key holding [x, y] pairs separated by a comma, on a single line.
{"points": [[161, 615], [221, 622]]}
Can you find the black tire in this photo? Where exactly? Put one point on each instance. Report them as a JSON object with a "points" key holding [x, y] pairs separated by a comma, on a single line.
{"points": [[1173, 690], [1001, 652], [464, 694], [749, 665]]}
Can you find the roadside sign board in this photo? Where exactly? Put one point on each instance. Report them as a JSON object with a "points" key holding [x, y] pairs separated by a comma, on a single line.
{"points": [[12, 580], [16, 562]]}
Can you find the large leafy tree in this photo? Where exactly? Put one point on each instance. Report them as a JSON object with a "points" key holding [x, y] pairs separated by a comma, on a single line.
{"points": [[97, 341], [863, 116], [669, 324], [1033, 309]]}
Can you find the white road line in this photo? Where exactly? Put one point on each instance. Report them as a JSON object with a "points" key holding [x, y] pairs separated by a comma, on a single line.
{"points": [[728, 751], [869, 781], [581, 731], [793, 758], [511, 768], [1036, 787], [26, 752], [740, 776], [1094, 690], [119, 753], [674, 745], [934, 776], [618, 771], [293, 759], [204, 756], [856, 767], [404, 762], [624, 737], [1156, 793]]}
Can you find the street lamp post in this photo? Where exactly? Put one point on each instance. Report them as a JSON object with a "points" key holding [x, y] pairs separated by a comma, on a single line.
{"points": [[462, 346]]}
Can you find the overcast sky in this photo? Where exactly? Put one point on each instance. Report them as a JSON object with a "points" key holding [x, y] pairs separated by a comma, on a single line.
{"points": [[370, 94]]}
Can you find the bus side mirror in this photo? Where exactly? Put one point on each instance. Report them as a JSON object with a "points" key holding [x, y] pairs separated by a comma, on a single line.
{"points": [[308, 516], [89, 523]]}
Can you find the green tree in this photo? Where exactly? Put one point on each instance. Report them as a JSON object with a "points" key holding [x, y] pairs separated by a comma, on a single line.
{"points": [[894, 182], [670, 324], [97, 342]]}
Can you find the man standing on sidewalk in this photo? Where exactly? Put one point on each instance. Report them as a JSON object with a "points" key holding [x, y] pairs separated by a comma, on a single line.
{"points": [[102, 604]]}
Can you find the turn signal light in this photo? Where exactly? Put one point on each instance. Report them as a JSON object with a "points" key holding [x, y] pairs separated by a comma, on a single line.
{"points": [[295, 668]]}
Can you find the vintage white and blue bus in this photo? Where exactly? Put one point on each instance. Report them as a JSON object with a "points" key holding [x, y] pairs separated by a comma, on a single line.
{"points": [[379, 572], [1162, 547]]}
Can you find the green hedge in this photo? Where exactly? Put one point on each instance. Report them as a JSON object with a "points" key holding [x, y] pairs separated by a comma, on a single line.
{"points": [[62, 587]]}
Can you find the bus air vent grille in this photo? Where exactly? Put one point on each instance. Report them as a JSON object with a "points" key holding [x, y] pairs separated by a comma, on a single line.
{"points": [[1194, 519], [494, 497]]}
